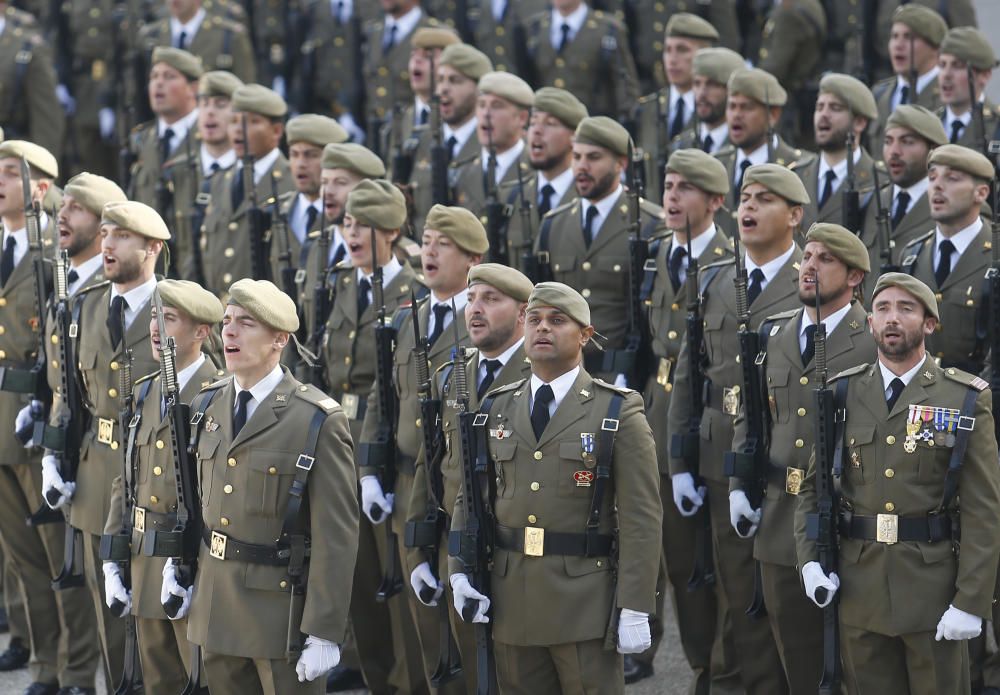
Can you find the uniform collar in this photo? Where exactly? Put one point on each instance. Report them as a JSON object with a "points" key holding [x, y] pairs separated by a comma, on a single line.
{"points": [[560, 386]]}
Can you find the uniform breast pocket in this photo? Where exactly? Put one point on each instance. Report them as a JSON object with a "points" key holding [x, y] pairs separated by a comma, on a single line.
{"points": [[961, 326], [207, 446], [450, 459], [777, 394], [576, 474], [563, 266], [860, 460], [401, 365], [144, 438], [503, 452], [268, 480], [932, 463], [713, 334]]}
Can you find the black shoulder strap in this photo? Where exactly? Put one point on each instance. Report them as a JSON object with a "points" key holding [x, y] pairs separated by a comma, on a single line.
{"points": [[909, 261], [605, 457], [966, 423], [705, 280], [649, 270], [542, 255], [840, 428], [204, 400]]}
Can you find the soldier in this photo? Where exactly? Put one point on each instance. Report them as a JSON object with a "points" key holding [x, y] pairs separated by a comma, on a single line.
{"points": [[834, 263], [966, 49], [498, 30], [910, 134], [453, 241], [554, 119], [696, 186], [907, 524], [585, 52], [28, 80], [664, 115], [220, 42], [770, 211], [256, 603], [711, 68], [551, 638], [189, 314], [845, 108], [114, 322], [226, 252], [585, 243], [753, 109]]}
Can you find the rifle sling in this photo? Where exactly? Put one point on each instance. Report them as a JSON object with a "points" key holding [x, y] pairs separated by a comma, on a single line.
{"points": [[605, 457], [966, 423]]}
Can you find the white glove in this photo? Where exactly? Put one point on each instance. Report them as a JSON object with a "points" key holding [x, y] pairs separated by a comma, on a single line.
{"points": [[739, 509], [348, 123], [814, 578], [956, 624], [66, 99], [52, 480], [421, 579], [463, 591], [115, 589], [171, 587], [372, 496], [687, 497], [106, 122], [633, 632], [24, 418], [318, 656]]}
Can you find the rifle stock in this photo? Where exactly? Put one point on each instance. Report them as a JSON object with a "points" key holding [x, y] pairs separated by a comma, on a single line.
{"points": [[496, 212], [256, 222], [851, 212]]}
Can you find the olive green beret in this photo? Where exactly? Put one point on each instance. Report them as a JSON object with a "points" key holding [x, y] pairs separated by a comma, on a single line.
{"points": [[964, 159], [923, 21], [852, 91], [759, 85], [971, 45], [315, 129], [459, 225], [377, 203], [700, 169], [257, 98], [507, 86], [717, 63], [93, 192], [37, 156], [779, 180], [691, 26], [218, 83], [562, 297], [266, 303], [842, 243], [434, 37], [354, 157], [561, 104], [467, 60], [510, 281], [603, 132], [188, 64], [135, 217], [191, 298], [920, 120], [912, 285]]}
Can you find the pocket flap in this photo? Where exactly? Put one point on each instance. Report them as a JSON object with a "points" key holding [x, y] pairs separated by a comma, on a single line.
{"points": [[860, 434]]}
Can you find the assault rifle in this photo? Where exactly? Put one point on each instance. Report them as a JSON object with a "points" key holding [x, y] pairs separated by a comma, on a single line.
{"points": [[885, 242], [851, 213], [439, 154], [260, 244], [496, 212]]}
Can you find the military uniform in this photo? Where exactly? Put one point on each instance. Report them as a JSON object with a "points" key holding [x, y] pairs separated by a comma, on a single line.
{"points": [[220, 42], [521, 241], [833, 208], [652, 136], [502, 39], [240, 609], [971, 136], [328, 79], [189, 188], [565, 614], [893, 595], [757, 654], [913, 224], [418, 147], [470, 182], [883, 90]]}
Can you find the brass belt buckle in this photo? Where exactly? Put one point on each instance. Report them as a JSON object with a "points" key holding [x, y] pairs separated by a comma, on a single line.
{"points": [[218, 546], [105, 430], [887, 528], [730, 400], [350, 406], [534, 541], [139, 520], [793, 480], [663, 371]]}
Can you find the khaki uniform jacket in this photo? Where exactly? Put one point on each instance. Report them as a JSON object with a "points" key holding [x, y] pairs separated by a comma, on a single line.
{"points": [[792, 42], [915, 223], [503, 40], [469, 189], [328, 80], [570, 597], [596, 66], [92, 80], [971, 136], [185, 179], [793, 418], [284, 240], [220, 42], [54, 369], [155, 488], [419, 146], [721, 350], [833, 210], [652, 129], [310, 276], [668, 330], [387, 75], [959, 299], [906, 587], [520, 240], [149, 170], [929, 98], [240, 608], [225, 236]]}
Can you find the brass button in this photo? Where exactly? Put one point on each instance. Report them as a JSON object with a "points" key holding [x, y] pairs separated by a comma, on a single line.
{"points": [[675, 306], [55, 340], [668, 387], [272, 471], [2, 330], [535, 487], [157, 470], [532, 519], [672, 335], [617, 268], [159, 444], [233, 226], [799, 443], [227, 277], [586, 265], [600, 563], [417, 422], [804, 380], [114, 446], [228, 489], [951, 371], [890, 440], [55, 363], [347, 360], [229, 252], [225, 521], [585, 292], [889, 507], [889, 472], [801, 412], [283, 584], [345, 387], [114, 366], [113, 393], [3, 301], [350, 335], [231, 462], [560, 83], [154, 499], [538, 456]]}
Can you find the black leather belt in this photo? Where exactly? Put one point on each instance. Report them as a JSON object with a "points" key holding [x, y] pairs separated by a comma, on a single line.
{"points": [[555, 543], [223, 547], [925, 529], [14, 380]]}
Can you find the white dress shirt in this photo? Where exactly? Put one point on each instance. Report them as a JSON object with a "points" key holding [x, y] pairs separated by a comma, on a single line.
{"points": [[259, 391], [831, 322], [135, 299], [460, 299], [604, 207], [961, 240], [179, 128], [504, 159], [771, 268], [574, 20], [560, 387]]}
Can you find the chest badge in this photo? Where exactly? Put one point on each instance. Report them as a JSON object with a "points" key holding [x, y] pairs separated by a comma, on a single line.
{"points": [[500, 432], [583, 478]]}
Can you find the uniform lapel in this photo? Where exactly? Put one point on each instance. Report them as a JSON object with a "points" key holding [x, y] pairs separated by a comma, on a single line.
{"points": [[971, 261], [916, 219], [844, 335], [783, 284], [571, 409], [914, 392], [267, 412], [612, 226]]}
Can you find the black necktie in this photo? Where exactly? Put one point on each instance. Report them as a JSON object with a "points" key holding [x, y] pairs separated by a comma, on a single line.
{"points": [[956, 130], [744, 165], [756, 285], [707, 144], [565, 37], [944, 261], [440, 312], [116, 317], [72, 276], [677, 125], [363, 286], [311, 214], [545, 199], [182, 41], [339, 255], [895, 388], [902, 202], [237, 189], [452, 141], [904, 94], [831, 176], [491, 165], [588, 225], [390, 39], [424, 115], [240, 414], [674, 268], [492, 367], [7, 260], [540, 409], [165, 139], [810, 350]]}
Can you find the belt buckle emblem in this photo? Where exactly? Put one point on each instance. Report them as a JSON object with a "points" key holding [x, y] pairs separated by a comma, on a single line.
{"points": [[730, 400], [350, 406], [793, 480], [534, 541], [139, 520], [887, 528], [218, 546], [105, 430]]}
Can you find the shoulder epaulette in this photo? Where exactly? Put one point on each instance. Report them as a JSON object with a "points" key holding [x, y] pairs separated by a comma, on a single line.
{"points": [[850, 372], [560, 208], [217, 384], [314, 234], [966, 379], [804, 158], [311, 394], [721, 262], [782, 315], [660, 235], [513, 386], [726, 150], [623, 390], [651, 97], [917, 240], [650, 207], [147, 377], [90, 288]]}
